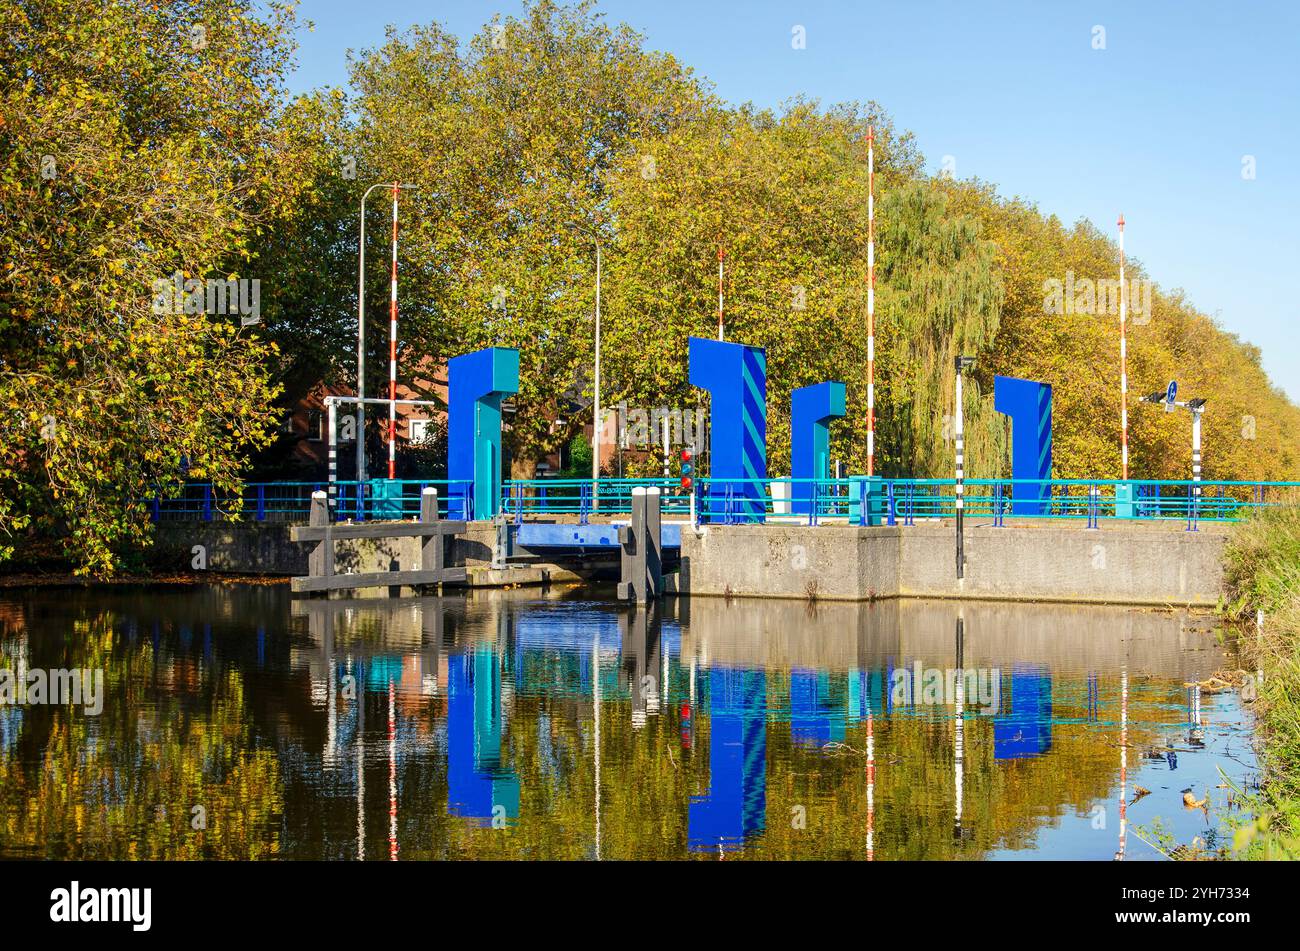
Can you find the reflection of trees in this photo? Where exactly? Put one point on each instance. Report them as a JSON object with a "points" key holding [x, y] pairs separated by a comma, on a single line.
{"points": [[181, 727], [647, 781], [122, 785]]}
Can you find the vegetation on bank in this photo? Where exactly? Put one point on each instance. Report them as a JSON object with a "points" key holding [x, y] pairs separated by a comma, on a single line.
{"points": [[142, 140], [1263, 575]]}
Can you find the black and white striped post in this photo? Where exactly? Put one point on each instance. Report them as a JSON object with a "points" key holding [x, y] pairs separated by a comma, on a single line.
{"points": [[1197, 407], [960, 364], [331, 414]]}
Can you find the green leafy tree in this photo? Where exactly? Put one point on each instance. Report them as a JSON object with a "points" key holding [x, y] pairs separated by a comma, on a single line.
{"points": [[510, 140], [140, 141]]}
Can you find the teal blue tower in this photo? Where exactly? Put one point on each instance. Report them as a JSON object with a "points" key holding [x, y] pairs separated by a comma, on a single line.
{"points": [[476, 384], [811, 410]]}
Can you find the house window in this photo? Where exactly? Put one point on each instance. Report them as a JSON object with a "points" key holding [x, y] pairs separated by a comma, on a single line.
{"points": [[421, 431], [315, 426]]}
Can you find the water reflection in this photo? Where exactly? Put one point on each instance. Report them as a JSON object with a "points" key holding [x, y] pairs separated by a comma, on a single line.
{"points": [[511, 725]]}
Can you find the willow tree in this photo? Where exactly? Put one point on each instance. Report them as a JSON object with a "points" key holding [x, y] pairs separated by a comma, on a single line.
{"points": [[1249, 424], [510, 140], [940, 297], [137, 142]]}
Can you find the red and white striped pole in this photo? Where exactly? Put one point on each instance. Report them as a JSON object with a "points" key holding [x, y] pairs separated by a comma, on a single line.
{"points": [[871, 301], [720, 256], [1123, 355], [871, 787], [392, 353]]}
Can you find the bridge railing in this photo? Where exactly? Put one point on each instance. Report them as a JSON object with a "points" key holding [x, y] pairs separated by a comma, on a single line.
{"points": [[905, 501], [853, 500], [584, 498], [291, 501]]}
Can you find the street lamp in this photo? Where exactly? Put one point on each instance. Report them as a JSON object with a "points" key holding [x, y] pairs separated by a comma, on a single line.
{"points": [[1197, 408], [361, 333], [960, 364]]}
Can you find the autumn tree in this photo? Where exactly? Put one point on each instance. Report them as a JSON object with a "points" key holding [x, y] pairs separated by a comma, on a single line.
{"points": [[139, 143], [510, 139]]}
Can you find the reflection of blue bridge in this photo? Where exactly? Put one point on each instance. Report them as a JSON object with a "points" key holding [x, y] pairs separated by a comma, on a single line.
{"points": [[551, 655]]}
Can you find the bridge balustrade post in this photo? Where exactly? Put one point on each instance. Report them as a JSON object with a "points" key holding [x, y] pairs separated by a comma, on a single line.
{"points": [[320, 563], [433, 551]]}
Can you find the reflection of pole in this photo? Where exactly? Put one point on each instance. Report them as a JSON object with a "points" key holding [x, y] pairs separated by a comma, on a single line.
{"points": [[595, 703], [871, 787], [361, 764], [392, 775], [1123, 763], [331, 705], [959, 737], [871, 300]]}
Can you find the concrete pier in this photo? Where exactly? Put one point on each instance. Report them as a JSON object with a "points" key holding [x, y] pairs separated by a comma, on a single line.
{"points": [[1147, 564], [1122, 563]]}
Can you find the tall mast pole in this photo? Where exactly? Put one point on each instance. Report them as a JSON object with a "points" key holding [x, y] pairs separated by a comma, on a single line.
{"points": [[392, 353], [871, 301], [1123, 355], [720, 256], [595, 410]]}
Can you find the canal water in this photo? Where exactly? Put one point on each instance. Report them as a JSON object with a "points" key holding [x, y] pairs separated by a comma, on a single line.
{"points": [[235, 722]]}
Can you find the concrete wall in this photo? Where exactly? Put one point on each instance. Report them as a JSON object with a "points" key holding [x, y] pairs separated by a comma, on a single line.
{"points": [[1118, 564], [265, 548], [1121, 564]]}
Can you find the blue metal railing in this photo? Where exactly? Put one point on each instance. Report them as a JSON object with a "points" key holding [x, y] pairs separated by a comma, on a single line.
{"points": [[291, 501], [854, 500]]}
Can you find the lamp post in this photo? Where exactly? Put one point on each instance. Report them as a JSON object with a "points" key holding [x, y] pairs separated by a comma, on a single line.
{"points": [[361, 333], [961, 364]]}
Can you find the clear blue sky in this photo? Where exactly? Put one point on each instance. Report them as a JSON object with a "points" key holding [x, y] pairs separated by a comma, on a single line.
{"points": [[1155, 125]]}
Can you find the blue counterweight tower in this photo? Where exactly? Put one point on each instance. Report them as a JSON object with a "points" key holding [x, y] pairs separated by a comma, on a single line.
{"points": [[1029, 404], [736, 377], [811, 410], [476, 383]]}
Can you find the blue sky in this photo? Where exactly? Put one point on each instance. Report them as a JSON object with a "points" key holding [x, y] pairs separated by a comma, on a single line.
{"points": [[1155, 125]]}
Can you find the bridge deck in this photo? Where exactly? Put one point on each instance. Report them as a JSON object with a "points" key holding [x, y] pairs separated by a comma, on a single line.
{"points": [[557, 535]]}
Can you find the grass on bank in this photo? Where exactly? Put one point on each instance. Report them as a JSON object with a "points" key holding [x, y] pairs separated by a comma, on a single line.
{"points": [[1262, 565]]}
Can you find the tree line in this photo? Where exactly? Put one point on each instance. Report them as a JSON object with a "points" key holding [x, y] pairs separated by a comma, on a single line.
{"points": [[144, 140]]}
